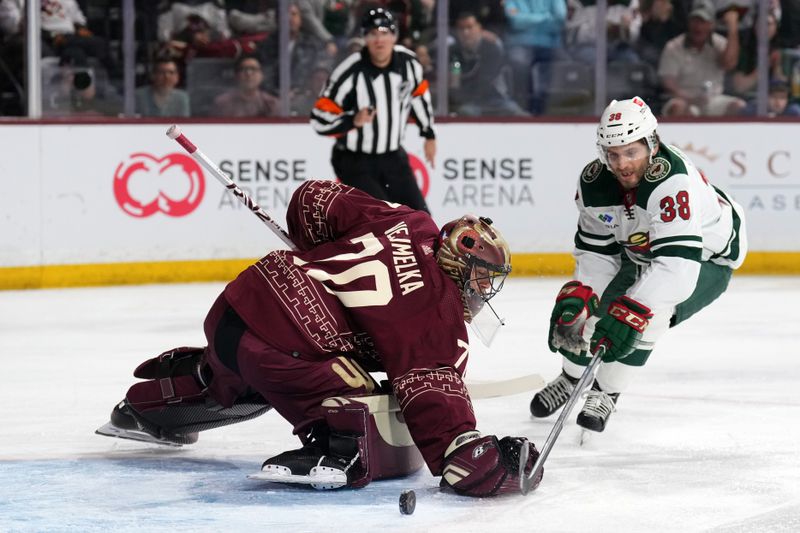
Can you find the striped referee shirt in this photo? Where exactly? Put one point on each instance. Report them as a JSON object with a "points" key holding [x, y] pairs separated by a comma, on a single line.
{"points": [[394, 92]]}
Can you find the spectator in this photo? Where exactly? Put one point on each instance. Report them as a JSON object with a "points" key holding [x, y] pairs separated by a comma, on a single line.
{"points": [[306, 53], [623, 22], [660, 24], [789, 28], [490, 13], [10, 18], [745, 77], [693, 66], [77, 94], [200, 39], [535, 35], [778, 102], [161, 98], [248, 99], [12, 57], [64, 33], [253, 17], [482, 87], [179, 16]]}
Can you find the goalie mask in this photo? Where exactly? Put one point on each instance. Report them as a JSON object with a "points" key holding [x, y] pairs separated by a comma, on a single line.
{"points": [[476, 256], [624, 122]]}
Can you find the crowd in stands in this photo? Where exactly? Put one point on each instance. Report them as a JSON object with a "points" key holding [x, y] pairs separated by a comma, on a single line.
{"points": [[220, 58]]}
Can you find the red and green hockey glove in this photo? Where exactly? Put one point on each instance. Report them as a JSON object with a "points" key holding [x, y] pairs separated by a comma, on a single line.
{"points": [[621, 328], [575, 303]]}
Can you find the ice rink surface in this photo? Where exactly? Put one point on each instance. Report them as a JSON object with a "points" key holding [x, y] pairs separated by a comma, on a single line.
{"points": [[706, 439]]}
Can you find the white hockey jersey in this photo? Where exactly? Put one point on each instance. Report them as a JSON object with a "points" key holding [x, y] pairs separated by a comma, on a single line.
{"points": [[670, 223]]}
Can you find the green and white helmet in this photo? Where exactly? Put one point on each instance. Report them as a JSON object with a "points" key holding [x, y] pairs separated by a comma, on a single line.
{"points": [[624, 122]]}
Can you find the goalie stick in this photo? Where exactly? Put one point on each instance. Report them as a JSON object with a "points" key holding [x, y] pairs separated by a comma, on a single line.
{"points": [[174, 132], [526, 479]]}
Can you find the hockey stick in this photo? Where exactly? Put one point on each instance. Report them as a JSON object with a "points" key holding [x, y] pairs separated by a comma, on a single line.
{"points": [[526, 480], [481, 390], [174, 132]]}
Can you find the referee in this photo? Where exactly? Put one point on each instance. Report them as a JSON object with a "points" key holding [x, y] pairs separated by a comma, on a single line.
{"points": [[365, 105]]}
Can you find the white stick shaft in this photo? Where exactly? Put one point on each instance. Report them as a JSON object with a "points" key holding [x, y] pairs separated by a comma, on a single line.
{"points": [[174, 132], [525, 481]]}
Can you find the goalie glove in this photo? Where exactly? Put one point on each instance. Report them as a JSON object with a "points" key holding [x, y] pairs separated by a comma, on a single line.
{"points": [[485, 466], [575, 303], [621, 328]]}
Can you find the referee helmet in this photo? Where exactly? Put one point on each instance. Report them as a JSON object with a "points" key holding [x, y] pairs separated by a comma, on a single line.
{"points": [[378, 18]]}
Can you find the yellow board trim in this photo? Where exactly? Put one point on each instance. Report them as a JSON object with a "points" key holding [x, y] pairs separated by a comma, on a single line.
{"points": [[54, 276]]}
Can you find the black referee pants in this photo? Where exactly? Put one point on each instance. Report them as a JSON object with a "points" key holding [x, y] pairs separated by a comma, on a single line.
{"points": [[384, 176]]}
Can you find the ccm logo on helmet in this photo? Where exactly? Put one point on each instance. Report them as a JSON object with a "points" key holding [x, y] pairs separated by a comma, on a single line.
{"points": [[145, 185]]}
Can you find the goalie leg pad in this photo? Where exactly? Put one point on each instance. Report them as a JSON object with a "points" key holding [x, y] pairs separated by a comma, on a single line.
{"points": [[182, 361], [373, 427], [174, 409]]}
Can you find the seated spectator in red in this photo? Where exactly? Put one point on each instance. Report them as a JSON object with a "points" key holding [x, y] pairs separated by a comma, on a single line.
{"points": [[694, 64], [247, 99], [161, 98], [199, 39]]}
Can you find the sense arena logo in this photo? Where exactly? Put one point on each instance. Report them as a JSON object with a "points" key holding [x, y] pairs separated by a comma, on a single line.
{"points": [[145, 184]]}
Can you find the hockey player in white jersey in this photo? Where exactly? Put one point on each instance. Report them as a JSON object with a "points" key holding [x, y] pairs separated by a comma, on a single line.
{"points": [[656, 239]]}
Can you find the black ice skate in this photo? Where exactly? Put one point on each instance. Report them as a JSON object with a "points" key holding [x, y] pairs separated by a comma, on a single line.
{"points": [[313, 464], [598, 407], [127, 424], [550, 399]]}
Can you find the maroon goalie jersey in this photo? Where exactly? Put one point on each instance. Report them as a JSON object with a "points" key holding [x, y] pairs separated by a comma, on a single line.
{"points": [[365, 283]]}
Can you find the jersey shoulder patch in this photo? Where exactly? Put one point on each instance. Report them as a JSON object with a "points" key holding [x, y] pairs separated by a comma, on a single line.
{"points": [[592, 171], [659, 169], [597, 185]]}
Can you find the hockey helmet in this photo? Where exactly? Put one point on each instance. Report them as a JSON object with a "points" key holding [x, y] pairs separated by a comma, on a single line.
{"points": [[476, 256], [624, 122], [378, 18]]}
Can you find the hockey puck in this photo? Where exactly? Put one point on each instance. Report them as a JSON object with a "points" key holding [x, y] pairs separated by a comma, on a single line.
{"points": [[408, 502]]}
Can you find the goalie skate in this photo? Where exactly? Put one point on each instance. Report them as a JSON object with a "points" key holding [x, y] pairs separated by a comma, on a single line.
{"points": [[126, 424], [309, 465], [110, 430], [320, 477]]}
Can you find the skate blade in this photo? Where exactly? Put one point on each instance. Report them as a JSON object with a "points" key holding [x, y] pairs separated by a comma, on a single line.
{"points": [[110, 430], [317, 479], [585, 437]]}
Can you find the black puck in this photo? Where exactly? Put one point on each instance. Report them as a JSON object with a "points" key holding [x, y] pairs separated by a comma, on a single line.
{"points": [[408, 502]]}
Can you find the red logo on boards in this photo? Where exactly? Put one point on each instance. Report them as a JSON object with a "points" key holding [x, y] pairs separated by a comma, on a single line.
{"points": [[420, 173], [145, 185]]}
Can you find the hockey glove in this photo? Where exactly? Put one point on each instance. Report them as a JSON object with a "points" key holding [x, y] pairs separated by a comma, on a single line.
{"points": [[485, 466], [575, 303], [621, 328]]}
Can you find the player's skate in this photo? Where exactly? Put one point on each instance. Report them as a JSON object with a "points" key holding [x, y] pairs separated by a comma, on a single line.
{"points": [[598, 407], [551, 398], [127, 424], [314, 464]]}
